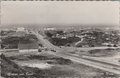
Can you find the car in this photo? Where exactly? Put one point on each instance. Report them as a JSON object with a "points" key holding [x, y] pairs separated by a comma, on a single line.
{"points": [[39, 50], [53, 50]]}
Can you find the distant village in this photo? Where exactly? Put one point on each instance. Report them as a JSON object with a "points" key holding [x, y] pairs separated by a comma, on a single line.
{"points": [[29, 53], [22, 39], [84, 38]]}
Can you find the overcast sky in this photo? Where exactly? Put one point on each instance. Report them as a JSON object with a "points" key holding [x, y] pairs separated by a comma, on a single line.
{"points": [[60, 12]]}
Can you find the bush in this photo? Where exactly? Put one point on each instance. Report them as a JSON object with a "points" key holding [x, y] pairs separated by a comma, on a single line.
{"points": [[40, 57], [103, 52], [62, 61]]}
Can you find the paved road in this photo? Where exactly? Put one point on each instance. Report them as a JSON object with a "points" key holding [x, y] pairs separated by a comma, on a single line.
{"points": [[45, 42], [96, 64]]}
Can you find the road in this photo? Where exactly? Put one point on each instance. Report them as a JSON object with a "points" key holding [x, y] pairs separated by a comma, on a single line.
{"points": [[95, 64], [45, 42]]}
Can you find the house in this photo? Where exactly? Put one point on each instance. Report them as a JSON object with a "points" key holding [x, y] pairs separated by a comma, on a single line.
{"points": [[20, 29], [22, 46], [50, 28], [109, 44], [19, 40]]}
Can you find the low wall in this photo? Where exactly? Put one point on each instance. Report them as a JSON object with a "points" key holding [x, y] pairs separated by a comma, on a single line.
{"points": [[29, 50], [9, 50]]}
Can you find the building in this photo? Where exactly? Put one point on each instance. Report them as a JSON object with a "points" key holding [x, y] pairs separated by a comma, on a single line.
{"points": [[109, 44], [27, 46], [20, 29], [50, 28], [17, 42]]}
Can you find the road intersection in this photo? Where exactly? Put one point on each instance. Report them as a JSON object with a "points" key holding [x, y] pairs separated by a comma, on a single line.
{"points": [[59, 52]]}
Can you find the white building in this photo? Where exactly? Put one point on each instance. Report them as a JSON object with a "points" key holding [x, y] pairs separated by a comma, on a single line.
{"points": [[108, 44], [50, 28], [20, 29]]}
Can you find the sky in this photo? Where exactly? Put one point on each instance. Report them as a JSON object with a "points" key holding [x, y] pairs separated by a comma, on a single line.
{"points": [[60, 12]]}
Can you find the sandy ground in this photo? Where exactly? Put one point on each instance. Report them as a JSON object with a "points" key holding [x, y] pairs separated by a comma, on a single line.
{"points": [[82, 70], [79, 69]]}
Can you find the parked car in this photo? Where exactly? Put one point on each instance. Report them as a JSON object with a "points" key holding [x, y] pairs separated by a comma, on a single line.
{"points": [[53, 50]]}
